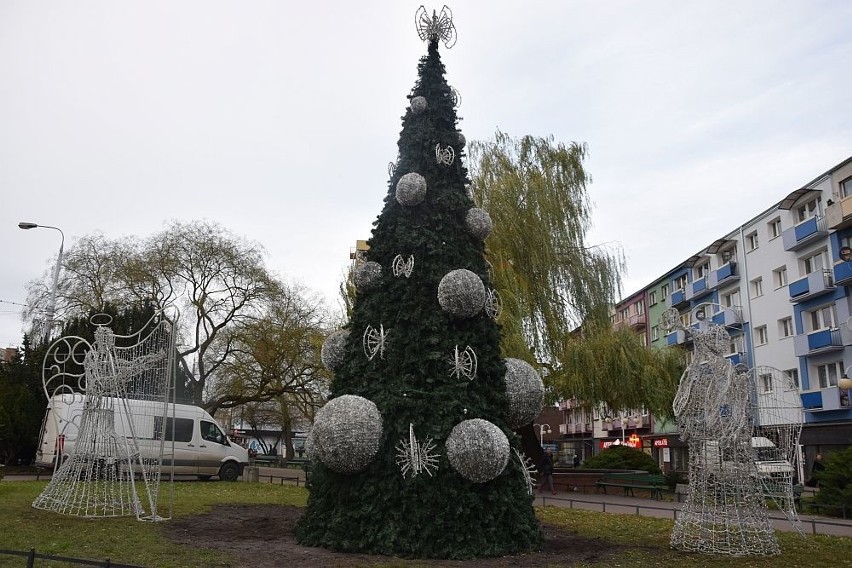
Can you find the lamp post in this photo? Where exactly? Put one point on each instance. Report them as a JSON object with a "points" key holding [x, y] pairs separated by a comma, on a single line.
{"points": [[542, 430], [51, 306]]}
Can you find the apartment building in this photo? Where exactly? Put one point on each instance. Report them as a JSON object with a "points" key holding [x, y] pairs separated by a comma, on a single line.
{"points": [[778, 285]]}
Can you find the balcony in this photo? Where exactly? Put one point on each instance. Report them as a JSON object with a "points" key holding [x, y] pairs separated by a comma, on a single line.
{"points": [[677, 337], [839, 215], [638, 321], [728, 317], [817, 342], [814, 284], [697, 288], [843, 274], [737, 358], [725, 274], [804, 233], [822, 400], [676, 299]]}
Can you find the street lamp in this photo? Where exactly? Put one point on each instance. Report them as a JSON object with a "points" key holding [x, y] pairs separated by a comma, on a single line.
{"points": [[51, 306], [542, 430]]}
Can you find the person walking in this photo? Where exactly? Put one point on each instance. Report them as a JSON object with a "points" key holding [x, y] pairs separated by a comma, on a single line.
{"points": [[547, 472]]}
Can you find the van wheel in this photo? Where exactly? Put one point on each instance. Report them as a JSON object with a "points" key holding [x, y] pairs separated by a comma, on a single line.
{"points": [[229, 472]]}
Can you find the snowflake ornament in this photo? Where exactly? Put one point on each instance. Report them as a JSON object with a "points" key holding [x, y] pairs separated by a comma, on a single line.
{"points": [[528, 468], [463, 363], [445, 156], [374, 341], [437, 27], [402, 267], [414, 457]]}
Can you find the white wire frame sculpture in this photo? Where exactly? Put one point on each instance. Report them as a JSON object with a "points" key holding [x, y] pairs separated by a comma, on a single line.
{"points": [[108, 404], [725, 510]]}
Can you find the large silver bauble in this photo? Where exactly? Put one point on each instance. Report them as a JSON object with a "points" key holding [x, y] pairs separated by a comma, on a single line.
{"points": [[418, 105], [525, 391], [478, 450], [478, 223], [367, 276], [333, 350], [347, 433], [461, 293], [411, 189]]}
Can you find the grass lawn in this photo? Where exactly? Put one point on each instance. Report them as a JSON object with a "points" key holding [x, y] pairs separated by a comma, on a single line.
{"points": [[129, 541]]}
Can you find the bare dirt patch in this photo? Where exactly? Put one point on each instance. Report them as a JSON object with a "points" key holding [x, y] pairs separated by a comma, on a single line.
{"points": [[262, 535]]}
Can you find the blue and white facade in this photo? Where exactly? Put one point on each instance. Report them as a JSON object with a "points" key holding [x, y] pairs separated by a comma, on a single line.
{"points": [[777, 285]]}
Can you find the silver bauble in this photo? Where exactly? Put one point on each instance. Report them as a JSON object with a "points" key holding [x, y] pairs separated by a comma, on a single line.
{"points": [[367, 276], [478, 223], [411, 189], [347, 433], [418, 105], [525, 391], [461, 293], [333, 350], [478, 450]]}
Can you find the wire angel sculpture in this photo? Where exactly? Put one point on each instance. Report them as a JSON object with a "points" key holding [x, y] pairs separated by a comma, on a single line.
{"points": [[107, 404], [725, 511]]}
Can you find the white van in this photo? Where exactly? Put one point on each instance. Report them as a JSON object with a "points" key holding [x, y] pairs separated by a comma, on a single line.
{"points": [[200, 446]]}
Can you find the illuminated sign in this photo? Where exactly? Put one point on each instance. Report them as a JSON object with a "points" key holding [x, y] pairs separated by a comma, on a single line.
{"points": [[661, 443]]}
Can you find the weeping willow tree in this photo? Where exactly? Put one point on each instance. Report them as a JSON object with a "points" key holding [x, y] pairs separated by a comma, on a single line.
{"points": [[553, 283]]}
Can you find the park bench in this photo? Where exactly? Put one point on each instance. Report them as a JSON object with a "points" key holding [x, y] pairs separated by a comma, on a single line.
{"points": [[265, 460], [654, 484]]}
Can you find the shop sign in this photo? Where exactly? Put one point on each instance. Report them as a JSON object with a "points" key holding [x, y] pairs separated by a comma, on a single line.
{"points": [[661, 443]]}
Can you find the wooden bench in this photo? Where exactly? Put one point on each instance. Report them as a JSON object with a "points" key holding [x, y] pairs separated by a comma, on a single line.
{"points": [[654, 484]]}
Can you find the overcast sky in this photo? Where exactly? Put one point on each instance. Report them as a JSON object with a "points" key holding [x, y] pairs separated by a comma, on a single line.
{"points": [[278, 119]]}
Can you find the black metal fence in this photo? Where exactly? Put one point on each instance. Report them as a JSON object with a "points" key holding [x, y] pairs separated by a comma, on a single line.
{"points": [[31, 556]]}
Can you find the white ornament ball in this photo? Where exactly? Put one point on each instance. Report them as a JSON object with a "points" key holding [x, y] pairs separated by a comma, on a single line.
{"points": [[525, 391], [478, 223], [478, 450], [418, 105], [333, 350], [367, 276], [461, 293], [411, 189], [347, 433]]}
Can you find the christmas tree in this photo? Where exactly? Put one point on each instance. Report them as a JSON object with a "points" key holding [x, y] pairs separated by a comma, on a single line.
{"points": [[415, 453]]}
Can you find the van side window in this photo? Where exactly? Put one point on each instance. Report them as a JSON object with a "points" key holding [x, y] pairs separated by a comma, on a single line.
{"points": [[211, 433], [177, 429]]}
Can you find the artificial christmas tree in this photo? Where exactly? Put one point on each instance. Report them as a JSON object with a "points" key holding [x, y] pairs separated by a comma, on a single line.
{"points": [[415, 454]]}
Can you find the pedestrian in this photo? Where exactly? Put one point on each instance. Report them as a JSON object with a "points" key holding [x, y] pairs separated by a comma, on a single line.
{"points": [[576, 461], [816, 469], [547, 471]]}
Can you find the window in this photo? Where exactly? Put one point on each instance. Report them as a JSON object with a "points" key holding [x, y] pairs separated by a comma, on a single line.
{"points": [[736, 345], [655, 333], [774, 227], [211, 433], [751, 241], [177, 429], [779, 276], [728, 255], [640, 307], [828, 374], [702, 270], [766, 382], [680, 282], [761, 336], [731, 300], [756, 286], [785, 327], [814, 262], [643, 340], [686, 318], [652, 297], [820, 318], [846, 188], [808, 210], [625, 314], [794, 375]]}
